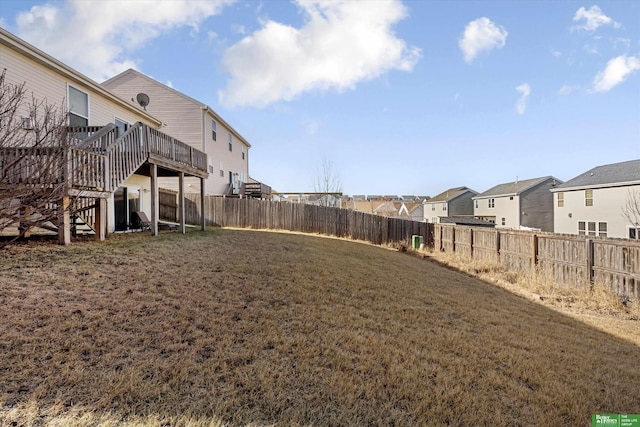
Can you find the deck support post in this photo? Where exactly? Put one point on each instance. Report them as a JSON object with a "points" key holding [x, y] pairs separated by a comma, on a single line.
{"points": [[64, 221], [101, 219], [155, 200], [181, 202], [203, 217]]}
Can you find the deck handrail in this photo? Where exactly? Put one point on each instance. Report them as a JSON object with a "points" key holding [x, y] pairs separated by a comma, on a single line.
{"points": [[101, 139]]}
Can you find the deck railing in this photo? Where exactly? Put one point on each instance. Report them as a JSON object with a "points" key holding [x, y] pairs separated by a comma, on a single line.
{"points": [[100, 162]]}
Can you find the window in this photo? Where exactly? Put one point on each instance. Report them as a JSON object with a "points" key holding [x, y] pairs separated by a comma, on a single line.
{"points": [[560, 200], [444, 206], [230, 138], [243, 152], [588, 197], [211, 166], [476, 204], [581, 228], [492, 203], [504, 221], [602, 229], [121, 125], [214, 129], [78, 107], [433, 207], [221, 170], [510, 197], [592, 228], [634, 233]]}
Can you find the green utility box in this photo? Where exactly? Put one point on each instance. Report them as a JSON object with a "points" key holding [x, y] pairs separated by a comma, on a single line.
{"points": [[415, 241]]}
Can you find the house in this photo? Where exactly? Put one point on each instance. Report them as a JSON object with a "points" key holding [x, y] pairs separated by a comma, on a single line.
{"points": [[118, 143], [468, 221], [196, 124], [455, 201], [519, 205], [413, 211], [593, 203]]}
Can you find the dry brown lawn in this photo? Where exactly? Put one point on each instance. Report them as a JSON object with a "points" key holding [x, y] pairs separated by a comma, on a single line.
{"points": [[231, 327]]}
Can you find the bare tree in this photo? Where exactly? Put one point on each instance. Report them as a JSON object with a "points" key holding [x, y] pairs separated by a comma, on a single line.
{"points": [[631, 208], [328, 182], [33, 144]]}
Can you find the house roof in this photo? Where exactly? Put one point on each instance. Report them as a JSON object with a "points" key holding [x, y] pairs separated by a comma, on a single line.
{"points": [[514, 188], [30, 51], [195, 101], [450, 194], [615, 174]]}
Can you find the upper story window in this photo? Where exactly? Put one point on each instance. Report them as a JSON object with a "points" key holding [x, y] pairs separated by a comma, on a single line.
{"points": [[221, 170], [243, 152], [230, 138], [78, 107], [476, 204], [433, 207], [492, 203], [214, 129], [560, 200], [444, 206], [588, 197]]}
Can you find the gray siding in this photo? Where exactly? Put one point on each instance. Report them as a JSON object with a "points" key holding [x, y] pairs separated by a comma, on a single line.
{"points": [[536, 206], [461, 205]]}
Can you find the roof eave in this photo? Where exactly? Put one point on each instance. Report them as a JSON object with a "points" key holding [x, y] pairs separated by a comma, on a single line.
{"points": [[593, 186]]}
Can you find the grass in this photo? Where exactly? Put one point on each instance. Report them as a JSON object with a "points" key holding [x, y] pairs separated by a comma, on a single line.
{"points": [[246, 328]]}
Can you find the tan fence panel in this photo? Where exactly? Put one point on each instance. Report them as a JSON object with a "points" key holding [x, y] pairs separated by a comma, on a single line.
{"points": [[617, 265], [516, 250], [564, 258], [485, 245]]}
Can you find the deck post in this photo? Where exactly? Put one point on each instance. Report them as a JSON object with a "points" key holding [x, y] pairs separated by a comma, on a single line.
{"points": [[64, 221], [181, 202], [155, 199], [203, 217], [101, 219]]}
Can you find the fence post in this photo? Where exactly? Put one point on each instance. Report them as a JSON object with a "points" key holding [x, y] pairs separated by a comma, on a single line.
{"points": [[453, 238], [498, 245], [471, 242], [590, 272], [534, 251]]}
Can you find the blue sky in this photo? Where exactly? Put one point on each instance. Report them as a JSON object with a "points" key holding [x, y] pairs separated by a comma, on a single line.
{"points": [[402, 97]]}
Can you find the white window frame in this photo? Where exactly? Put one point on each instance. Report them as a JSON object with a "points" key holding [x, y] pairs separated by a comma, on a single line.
{"points": [[582, 231], [560, 201], [588, 197], [69, 86], [214, 129], [243, 151], [606, 229], [118, 119], [230, 139], [492, 203], [636, 231]]}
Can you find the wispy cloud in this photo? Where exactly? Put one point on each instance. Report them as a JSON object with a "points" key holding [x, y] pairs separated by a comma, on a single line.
{"points": [[99, 37], [616, 71], [567, 89], [525, 90], [479, 36], [592, 18], [340, 44]]}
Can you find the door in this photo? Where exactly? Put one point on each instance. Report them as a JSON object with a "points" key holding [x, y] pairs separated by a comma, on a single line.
{"points": [[126, 200]]}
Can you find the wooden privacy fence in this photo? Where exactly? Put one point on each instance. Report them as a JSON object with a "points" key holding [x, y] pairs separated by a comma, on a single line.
{"points": [[570, 260], [253, 213]]}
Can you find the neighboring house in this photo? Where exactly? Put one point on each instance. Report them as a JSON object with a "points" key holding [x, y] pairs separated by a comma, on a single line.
{"points": [[389, 209], [519, 205], [413, 211], [469, 221], [593, 203], [452, 202], [194, 123], [120, 168]]}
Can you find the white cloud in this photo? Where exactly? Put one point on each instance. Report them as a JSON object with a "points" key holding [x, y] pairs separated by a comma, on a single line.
{"points": [[340, 44], [479, 36], [567, 89], [615, 72], [525, 91], [97, 36], [591, 19], [556, 53]]}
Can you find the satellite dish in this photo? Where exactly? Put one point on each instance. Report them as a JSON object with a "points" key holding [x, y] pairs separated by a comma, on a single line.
{"points": [[143, 99]]}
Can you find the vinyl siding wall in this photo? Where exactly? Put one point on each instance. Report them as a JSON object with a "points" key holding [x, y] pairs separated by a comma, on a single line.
{"points": [[607, 207], [46, 84], [536, 206], [461, 205], [504, 207]]}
